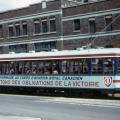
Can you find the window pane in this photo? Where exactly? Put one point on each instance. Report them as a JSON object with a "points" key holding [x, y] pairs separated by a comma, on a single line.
{"points": [[77, 24], [56, 67], [11, 31], [34, 67], [108, 65], [52, 25], [40, 67], [18, 48], [47, 68], [17, 30], [84, 67], [65, 67], [27, 67], [44, 26], [1, 49], [74, 67], [1, 31], [108, 20], [20, 67], [24, 29], [92, 26], [97, 66], [37, 26]]}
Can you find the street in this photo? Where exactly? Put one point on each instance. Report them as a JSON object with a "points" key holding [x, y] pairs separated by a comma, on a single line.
{"points": [[15, 107]]}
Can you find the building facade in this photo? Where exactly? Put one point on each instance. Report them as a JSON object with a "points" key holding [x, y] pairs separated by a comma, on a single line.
{"points": [[60, 24]]}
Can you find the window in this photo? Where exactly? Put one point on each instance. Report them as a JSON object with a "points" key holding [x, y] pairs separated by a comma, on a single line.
{"points": [[1, 49], [18, 48], [108, 65], [20, 67], [27, 67], [45, 46], [56, 67], [117, 62], [11, 30], [44, 26], [17, 30], [77, 24], [74, 67], [102, 66], [92, 25], [47, 67], [24, 27], [52, 25], [108, 20], [1, 31], [97, 66], [43, 4], [85, 1], [34, 67], [37, 26], [21, 48], [40, 67], [85, 66], [65, 67]]}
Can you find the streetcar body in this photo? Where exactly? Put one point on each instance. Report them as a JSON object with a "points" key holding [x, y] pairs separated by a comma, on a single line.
{"points": [[97, 69]]}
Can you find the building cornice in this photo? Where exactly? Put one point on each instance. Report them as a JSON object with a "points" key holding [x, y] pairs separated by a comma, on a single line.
{"points": [[91, 14]]}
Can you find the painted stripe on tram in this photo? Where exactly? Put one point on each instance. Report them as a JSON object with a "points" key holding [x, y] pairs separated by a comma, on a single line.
{"points": [[116, 81], [61, 57]]}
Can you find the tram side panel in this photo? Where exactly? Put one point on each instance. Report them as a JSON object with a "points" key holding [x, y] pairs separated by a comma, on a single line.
{"points": [[66, 81]]}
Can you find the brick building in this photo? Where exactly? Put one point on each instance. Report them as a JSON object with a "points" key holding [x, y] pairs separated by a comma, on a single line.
{"points": [[60, 24]]}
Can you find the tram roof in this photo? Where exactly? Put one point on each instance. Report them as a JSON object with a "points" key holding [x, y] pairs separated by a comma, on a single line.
{"points": [[111, 52]]}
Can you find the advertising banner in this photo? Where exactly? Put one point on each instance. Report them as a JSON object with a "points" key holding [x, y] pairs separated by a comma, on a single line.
{"points": [[57, 81]]}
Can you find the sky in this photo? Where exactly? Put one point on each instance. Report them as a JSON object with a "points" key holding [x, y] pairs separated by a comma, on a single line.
{"points": [[13, 4]]}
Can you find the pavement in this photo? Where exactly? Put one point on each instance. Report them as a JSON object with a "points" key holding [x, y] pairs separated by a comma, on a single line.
{"points": [[18, 118], [20, 107]]}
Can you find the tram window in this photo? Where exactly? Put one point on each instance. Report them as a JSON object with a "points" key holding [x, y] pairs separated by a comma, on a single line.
{"points": [[27, 67], [12, 67], [8, 69], [40, 67], [20, 67], [74, 66], [71, 67], [94, 64], [100, 66], [55, 67], [47, 67], [3, 68], [34, 67], [97, 66], [0, 68], [65, 67], [108, 65], [118, 66], [84, 66]]}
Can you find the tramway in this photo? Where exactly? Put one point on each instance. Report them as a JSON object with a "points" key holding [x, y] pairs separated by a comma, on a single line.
{"points": [[67, 70]]}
